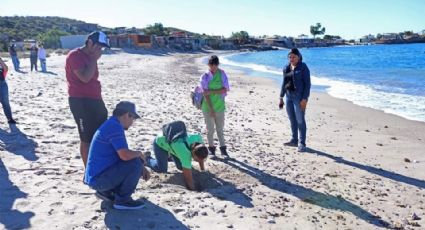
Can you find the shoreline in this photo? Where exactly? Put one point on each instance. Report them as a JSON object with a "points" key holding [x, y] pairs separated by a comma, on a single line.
{"points": [[315, 88]]}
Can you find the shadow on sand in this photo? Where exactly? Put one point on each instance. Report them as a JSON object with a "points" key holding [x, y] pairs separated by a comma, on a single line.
{"points": [[217, 187], [17, 143], [305, 194], [378, 171], [150, 217]]}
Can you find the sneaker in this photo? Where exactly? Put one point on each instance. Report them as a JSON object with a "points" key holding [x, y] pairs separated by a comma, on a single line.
{"points": [[105, 196], [11, 121], [301, 148], [223, 151], [291, 144], [211, 150], [130, 205]]}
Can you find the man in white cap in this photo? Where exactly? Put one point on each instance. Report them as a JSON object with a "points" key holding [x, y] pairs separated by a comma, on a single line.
{"points": [[85, 98]]}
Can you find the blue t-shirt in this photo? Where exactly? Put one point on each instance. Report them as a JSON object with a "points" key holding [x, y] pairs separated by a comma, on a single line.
{"points": [[103, 153]]}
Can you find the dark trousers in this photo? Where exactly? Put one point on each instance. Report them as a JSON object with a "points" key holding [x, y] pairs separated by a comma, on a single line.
{"points": [[121, 178]]}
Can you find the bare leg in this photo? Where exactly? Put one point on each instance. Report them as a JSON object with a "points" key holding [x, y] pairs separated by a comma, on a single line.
{"points": [[84, 151]]}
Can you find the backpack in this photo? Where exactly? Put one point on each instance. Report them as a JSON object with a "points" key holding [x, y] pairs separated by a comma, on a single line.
{"points": [[197, 97], [174, 131]]}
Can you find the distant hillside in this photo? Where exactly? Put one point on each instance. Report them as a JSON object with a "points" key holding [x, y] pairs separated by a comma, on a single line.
{"points": [[20, 28], [30, 27], [49, 29]]}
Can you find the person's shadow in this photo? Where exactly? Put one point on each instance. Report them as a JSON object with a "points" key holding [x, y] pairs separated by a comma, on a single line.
{"points": [[150, 217], [9, 193], [305, 194], [217, 187], [18, 143], [378, 171], [49, 73]]}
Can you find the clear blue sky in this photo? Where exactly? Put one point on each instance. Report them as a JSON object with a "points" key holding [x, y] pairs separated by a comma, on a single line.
{"points": [[349, 19]]}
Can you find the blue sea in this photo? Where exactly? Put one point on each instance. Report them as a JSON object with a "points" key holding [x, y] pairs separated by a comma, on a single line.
{"points": [[384, 77]]}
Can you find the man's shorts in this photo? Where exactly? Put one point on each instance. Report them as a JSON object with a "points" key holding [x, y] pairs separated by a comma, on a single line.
{"points": [[89, 114]]}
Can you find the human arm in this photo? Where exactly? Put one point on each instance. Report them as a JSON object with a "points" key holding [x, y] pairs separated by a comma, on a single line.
{"points": [[202, 165], [282, 91], [307, 85], [188, 179], [216, 91], [86, 72], [4, 66], [127, 154]]}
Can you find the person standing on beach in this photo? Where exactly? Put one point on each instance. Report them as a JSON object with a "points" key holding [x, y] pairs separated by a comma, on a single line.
{"points": [[14, 56], [182, 148], [4, 93], [296, 86], [215, 86], [85, 98], [113, 170], [33, 57], [42, 57]]}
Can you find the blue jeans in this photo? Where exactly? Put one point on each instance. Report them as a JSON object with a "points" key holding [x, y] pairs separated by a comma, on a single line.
{"points": [[4, 99], [297, 119], [159, 164], [121, 178], [43, 65], [15, 62]]}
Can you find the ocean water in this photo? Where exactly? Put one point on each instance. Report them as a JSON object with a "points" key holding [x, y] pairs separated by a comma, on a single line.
{"points": [[385, 77]]}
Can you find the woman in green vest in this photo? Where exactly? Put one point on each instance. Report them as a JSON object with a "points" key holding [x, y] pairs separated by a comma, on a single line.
{"points": [[215, 85]]}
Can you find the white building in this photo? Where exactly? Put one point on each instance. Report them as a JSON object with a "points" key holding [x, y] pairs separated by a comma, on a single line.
{"points": [[72, 41]]}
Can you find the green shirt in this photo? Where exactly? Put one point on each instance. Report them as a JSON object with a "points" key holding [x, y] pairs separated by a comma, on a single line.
{"points": [[179, 149], [217, 100]]}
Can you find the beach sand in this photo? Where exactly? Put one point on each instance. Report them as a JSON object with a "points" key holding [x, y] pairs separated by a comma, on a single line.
{"points": [[365, 169]]}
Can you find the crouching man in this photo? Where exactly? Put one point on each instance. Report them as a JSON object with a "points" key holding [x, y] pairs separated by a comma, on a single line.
{"points": [[113, 170]]}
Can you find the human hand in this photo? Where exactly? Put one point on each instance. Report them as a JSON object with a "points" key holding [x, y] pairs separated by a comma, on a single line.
{"points": [[212, 114], [207, 92], [281, 103], [146, 174], [303, 104], [95, 53]]}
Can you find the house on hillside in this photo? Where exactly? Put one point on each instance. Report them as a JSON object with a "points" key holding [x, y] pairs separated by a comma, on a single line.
{"points": [[367, 39], [28, 43], [278, 41], [131, 41], [303, 39], [390, 36]]}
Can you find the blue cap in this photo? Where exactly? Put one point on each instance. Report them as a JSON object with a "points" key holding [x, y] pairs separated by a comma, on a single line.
{"points": [[127, 107]]}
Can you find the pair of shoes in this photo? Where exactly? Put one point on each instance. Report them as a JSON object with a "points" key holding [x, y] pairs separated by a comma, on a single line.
{"points": [[11, 121], [291, 144], [302, 148], [105, 196], [129, 205], [211, 151], [223, 150]]}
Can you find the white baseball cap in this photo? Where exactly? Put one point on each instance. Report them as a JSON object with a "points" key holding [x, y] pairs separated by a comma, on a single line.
{"points": [[100, 38]]}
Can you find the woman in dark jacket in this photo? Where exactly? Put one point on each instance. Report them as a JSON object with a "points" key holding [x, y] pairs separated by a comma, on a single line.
{"points": [[296, 86]]}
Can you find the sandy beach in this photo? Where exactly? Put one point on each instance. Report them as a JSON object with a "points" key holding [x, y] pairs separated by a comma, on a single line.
{"points": [[365, 169]]}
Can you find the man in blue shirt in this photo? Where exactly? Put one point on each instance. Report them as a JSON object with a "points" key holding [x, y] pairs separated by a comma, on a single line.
{"points": [[113, 170]]}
